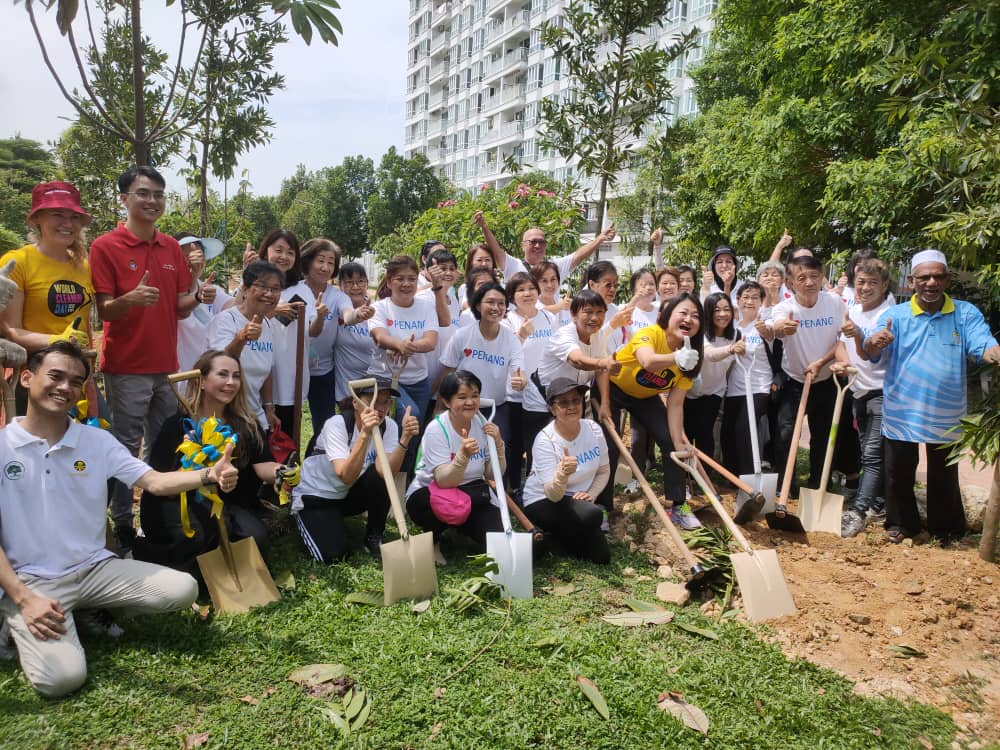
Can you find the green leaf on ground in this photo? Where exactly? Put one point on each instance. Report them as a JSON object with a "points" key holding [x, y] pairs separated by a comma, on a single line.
{"points": [[637, 605], [368, 598], [285, 580], [903, 651], [594, 696], [638, 619], [421, 606], [703, 632], [317, 674]]}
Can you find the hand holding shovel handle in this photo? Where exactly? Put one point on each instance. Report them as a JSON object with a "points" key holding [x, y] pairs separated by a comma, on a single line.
{"points": [[781, 507]]}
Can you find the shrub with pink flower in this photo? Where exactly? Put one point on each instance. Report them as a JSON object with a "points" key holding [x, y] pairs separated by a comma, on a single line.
{"points": [[523, 190], [513, 204]]}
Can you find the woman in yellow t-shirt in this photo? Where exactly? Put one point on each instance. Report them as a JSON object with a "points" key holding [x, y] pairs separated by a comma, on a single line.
{"points": [[54, 288], [658, 364]]}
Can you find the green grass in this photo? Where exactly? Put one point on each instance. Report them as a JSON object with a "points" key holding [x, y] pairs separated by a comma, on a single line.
{"points": [[174, 675]]}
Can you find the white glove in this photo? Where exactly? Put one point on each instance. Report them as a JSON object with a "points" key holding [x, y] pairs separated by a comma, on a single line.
{"points": [[7, 287], [687, 357], [11, 354]]}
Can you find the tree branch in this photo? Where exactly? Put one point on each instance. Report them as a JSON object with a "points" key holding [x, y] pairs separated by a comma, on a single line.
{"points": [[177, 71], [162, 127], [95, 100]]}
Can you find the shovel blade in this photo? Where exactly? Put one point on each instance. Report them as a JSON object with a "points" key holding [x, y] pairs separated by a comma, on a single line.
{"points": [[762, 585], [514, 559], [252, 586], [408, 568], [788, 522], [820, 511], [765, 484]]}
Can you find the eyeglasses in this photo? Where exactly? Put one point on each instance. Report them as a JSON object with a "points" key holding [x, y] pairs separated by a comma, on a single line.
{"points": [[266, 289], [145, 195], [537, 242], [924, 278], [568, 403], [355, 282]]}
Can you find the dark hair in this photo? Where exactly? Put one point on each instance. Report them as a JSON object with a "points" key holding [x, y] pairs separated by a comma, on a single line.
{"points": [[441, 256], [724, 250], [68, 348], [799, 249], [425, 249], [852, 264], [350, 270], [805, 261], [711, 302], [601, 268], [751, 286], [586, 298], [130, 175], [469, 268], [453, 380], [538, 270], [394, 266], [668, 271], [477, 273], [477, 298], [698, 340], [681, 270], [258, 270], [518, 280], [294, 275], [873, 267], [636, 275], [314, 247]]}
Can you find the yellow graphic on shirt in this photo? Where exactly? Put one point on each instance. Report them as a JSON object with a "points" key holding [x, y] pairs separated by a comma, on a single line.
{"points": [[637, 381]]}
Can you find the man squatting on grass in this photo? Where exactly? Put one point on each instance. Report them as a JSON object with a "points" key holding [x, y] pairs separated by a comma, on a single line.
{"points": [[53, 497]]}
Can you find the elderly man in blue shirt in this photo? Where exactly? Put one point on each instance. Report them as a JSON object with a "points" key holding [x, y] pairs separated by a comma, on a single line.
{"points": [[928, 340]]}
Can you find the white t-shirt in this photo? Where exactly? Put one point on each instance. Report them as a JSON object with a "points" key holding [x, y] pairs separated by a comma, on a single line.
{"points": [[352, 353], [404, 322], [512, 265], [192, 331], [714, 374], [318, 476], [733, 295], [563, 318], [531, 348], [445, 333], [818, 331], [589, 448], [285, 345], [439, 445], [493, 362], [256, 359], [870, 375], [756, 359], [553, 363], [321, 347], [53, 500]]}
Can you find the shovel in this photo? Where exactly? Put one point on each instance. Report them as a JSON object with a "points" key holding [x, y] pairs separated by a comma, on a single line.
{"points": [[699, 577], [763, 484], [512, 551], [300, 351], [758, 572], [408, 563], [754, 499], [235, 573], [781, 519], [821, 510]]}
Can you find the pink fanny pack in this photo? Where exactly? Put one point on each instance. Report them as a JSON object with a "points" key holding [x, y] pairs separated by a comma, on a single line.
{"points": [[450, 504]]}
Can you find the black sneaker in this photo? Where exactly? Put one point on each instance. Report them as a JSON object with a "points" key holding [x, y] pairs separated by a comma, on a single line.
{"points": [[98, 623], [373, 543], [126, 538], [852, 523]]}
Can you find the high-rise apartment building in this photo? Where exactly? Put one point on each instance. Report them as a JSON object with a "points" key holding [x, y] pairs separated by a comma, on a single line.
{"points": [[477, 72]]}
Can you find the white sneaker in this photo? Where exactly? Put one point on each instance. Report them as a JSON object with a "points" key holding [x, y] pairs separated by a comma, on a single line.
{"points": [[98, 623], [632, 487], [605, 525], [682, 516]]}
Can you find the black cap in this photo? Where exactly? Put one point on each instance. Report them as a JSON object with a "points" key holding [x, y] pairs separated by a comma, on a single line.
{"points": [[384, 384], [559, 386]]}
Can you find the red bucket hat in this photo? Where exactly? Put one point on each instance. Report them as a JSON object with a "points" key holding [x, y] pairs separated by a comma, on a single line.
{"points": [[57, 195]]}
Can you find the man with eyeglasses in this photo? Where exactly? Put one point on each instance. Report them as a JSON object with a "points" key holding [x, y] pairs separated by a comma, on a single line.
{"points": [[927, 340], [143, 286], [534, 245]]}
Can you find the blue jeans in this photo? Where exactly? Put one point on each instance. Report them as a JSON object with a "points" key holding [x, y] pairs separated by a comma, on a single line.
{"points": [[868, 412], [417, 396]]}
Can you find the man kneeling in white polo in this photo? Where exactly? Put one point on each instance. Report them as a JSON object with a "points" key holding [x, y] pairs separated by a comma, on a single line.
{"points": [[53, 502]]}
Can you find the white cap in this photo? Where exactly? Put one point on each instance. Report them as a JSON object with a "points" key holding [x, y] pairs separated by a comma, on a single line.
{"points": [[212, 247], [928, 256]]}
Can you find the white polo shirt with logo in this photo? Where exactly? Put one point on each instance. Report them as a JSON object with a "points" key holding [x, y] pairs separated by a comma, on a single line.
{"points": [[53, 500]]}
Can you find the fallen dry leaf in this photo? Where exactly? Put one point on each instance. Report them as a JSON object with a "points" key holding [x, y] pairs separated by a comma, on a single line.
{"points": [[638, 619], [315, 674], [594, 696], [439, 693], [269, 691], [692, 716], [251, 700], [422, 606], [195, 740], [564, 589], [435, 729]]}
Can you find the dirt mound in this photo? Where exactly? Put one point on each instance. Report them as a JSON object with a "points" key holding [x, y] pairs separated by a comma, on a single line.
{"points": [[861, 599]]}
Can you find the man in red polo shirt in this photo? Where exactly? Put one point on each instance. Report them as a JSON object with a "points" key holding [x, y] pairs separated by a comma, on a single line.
{"points": [[143, 287]]}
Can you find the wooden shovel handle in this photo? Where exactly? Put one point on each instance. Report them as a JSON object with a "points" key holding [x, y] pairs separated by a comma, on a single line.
{"points": [[793, 448], [179, 377], [737, 482], [300, 350]]}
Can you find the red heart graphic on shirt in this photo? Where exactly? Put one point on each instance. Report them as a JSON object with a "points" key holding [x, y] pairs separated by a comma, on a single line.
{"points": [[467, 352], [389, 323]]}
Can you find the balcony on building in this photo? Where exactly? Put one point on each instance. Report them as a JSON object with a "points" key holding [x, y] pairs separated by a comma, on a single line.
{"points": [[439, 41]]}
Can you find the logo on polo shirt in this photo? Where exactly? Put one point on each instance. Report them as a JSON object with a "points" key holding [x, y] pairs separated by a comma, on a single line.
{"points": [[80, 465], [132, 265], [13, 470]]}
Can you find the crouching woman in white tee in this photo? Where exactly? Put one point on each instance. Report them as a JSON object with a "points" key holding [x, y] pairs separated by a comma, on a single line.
{"points": [[454, 456], [342, 477], [570, 466]]}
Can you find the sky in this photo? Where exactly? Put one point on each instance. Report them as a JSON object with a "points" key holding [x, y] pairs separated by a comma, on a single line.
{"points": [[337, 101]]}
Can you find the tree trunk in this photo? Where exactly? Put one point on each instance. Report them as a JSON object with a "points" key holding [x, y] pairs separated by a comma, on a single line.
{"points": [[600, 208], [140, 145], [991, 519], [203, 173]]}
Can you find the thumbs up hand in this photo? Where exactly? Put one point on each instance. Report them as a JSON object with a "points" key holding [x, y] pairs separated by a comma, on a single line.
{"points": [[469, 445], [224, 473], [881, 339], [72, 333], [7, 287], [143, 295], [251, 331], [687, 357], [208, 290], [568, 464], [249, 255], [411, 425], [517, 381], [787, 327]]}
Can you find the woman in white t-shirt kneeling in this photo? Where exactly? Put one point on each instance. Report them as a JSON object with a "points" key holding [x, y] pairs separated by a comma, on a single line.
{"points": [[342, 477], [454, 455], [570, 466]]}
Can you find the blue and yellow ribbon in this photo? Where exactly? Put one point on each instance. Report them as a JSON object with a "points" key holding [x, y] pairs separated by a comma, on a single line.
{"points": [[202, 448], [79, 413]]}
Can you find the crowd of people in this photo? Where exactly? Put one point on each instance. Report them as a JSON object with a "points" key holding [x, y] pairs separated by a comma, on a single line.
{"points": [[559, 372]]}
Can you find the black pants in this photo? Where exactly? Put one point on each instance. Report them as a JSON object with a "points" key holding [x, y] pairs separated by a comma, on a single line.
{"points": [[514, 440], [737, 451], [652, 415], [699, 422], [819, 412], [532, 422], [322, 522], [945, 512], [484, 518], [574, 526]]}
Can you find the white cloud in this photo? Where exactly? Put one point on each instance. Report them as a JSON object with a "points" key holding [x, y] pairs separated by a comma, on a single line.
{"points": [[338, 101]]}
